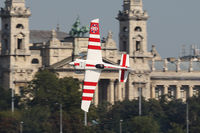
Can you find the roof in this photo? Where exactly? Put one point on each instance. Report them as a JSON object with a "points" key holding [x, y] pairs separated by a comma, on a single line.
{"points": [[38, 36]]}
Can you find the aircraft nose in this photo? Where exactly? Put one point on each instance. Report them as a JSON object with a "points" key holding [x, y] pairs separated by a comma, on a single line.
{"points": [[71, 63]]}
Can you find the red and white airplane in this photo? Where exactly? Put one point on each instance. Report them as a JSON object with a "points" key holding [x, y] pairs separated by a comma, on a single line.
{"points": [[94, 64]]}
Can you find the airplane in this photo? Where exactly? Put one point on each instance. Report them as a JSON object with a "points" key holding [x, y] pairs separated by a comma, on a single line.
{"points": [[94, 64]]}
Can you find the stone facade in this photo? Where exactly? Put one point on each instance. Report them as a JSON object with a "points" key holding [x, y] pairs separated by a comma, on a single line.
{"points": [[24, 52]]}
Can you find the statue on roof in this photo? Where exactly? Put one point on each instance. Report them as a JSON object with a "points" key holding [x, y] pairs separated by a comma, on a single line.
{"points": [[84, 30], [78, 31]]}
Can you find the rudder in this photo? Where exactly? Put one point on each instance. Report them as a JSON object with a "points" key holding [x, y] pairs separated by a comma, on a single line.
{"points": [[123, 73]]}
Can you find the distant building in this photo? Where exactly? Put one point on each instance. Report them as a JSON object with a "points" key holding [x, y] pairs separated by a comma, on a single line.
{"points": [[24, 52], [192, 54]]}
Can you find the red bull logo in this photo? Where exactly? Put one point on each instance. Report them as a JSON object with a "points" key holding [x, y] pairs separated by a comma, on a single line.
{"points": [[94, 29]]}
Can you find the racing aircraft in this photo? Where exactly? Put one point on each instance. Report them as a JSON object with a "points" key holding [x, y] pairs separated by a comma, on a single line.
{"points": [[94, 64]]}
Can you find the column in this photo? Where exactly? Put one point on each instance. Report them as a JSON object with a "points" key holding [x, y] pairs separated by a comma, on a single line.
{"points": [[141, 44], [81, 84], [165, 68], [96, 96], [108, 92], [116, 91], [166, 89], [191, 67], [178, 65], [153, 89], [153, 65], [123, 91], [120, 98], [178, 90], [111, 92], [191, 90], [130, 90]]}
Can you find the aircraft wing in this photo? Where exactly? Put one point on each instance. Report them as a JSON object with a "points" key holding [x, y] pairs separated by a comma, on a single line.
{"points": [[90, 82], [94, 46]]}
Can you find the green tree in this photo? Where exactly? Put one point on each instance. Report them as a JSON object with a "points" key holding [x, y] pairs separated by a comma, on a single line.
{"points": [[9, 122], [5, 99], [44, 88], [48, 92], [143, 124], [36, 119], [176, 128], [194, 113]]}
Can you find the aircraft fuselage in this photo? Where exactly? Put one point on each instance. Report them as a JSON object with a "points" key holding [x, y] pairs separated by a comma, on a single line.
{"points": [[92, 65]]}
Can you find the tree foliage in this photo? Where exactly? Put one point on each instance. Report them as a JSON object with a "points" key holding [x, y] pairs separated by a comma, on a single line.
{"points": [[143, 124], [40, 104], [5, 99]]}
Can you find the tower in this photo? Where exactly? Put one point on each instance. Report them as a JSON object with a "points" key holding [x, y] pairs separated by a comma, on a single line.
{"points": [[15, 28], [133, 28], [15, 40], [133, 40]]}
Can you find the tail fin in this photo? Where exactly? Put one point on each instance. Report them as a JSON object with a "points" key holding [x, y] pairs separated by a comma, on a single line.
{"points": [[123, 73]]}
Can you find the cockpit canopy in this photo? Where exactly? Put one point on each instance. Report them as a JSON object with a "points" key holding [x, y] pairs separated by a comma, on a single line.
{"points": [[100, 66]]}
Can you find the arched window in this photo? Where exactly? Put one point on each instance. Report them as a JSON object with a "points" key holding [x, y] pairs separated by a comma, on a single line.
{"points": [[20, 41], [138, 43], [138, 29], [20, 26], [125, 29], [35, 61]]}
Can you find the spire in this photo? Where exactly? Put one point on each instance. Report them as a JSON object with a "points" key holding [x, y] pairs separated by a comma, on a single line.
{"points": [[15, 8], [133, 9], [53, 34], [133, 5], [58, 27], [13, 3], [137, 4], [16, 1], [110, 34]]}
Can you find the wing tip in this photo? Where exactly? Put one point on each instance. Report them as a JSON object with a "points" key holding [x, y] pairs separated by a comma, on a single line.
{"points": [[95, 20], [85, 105], [84, 109]]}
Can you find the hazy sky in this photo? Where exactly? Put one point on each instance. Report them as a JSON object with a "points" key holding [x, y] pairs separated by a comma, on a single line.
{"points": [[172, 23]]}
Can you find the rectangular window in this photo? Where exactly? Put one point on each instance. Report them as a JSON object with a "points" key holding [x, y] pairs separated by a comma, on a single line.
{"points": [[19, 43], [157, 94], [195, 92], [171, 92], [21, 89], [182, 94], [137, 45], [6, 43], [124, 46]]}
